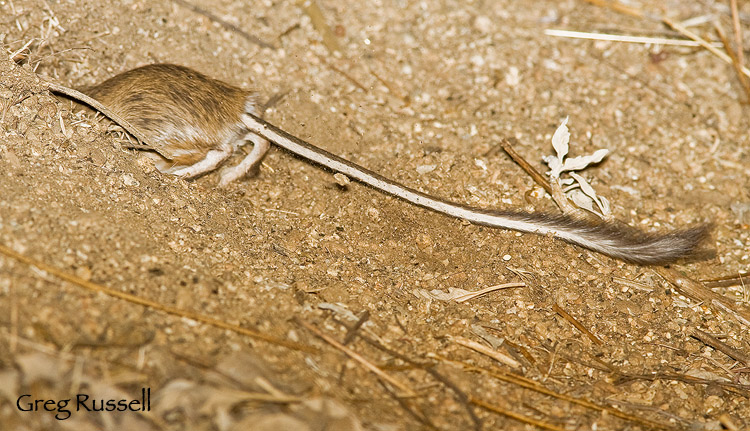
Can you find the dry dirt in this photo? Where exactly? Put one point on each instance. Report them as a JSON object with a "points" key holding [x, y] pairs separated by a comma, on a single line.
{"points": [[421, 92]]}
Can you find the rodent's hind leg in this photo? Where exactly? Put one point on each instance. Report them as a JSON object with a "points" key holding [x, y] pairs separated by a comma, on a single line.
{"points": [[250, 162], [212, 160]]}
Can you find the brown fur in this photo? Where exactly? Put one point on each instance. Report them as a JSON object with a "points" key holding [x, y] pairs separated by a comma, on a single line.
{"points": [[144, 95]]}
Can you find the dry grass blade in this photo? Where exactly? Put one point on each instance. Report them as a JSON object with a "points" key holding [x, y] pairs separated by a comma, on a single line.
{"points": [[312, 10], [152, 304], [687, 33], [15, 54], [358, 358], [240, 395], [736, 61], [617, 7], [737, 31], [516, 416], [525, 383], [620, 38], [735, 58], [498, 356], [344, 74], [632, 284], [354, 329], [391, 87], [486, 290], [728, 422], [577, 324], [521, 349], [728, 281], [735, 388]]}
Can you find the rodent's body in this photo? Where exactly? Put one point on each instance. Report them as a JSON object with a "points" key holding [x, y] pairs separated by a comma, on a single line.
{"points": [[190, 120], [195, 123], [181, 113]]}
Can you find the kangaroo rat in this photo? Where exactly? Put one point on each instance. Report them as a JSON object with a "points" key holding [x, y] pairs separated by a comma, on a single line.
{"points": [[194, 123]]}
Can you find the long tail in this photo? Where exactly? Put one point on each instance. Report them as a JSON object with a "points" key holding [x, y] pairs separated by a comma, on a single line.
{"points": [[613, 239]]}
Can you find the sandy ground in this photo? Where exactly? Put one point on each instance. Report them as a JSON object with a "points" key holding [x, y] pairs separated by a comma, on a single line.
{"points": [[421, 92]]}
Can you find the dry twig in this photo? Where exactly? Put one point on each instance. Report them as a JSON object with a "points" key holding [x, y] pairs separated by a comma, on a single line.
{"points": [[406, 391], [352, 331], [728, 422], [391, 87], [735, 388], [693, 289], [517, 416], [720, 346], [227, 25], [416, 413], [526, 166], [429, 368], [632, 284]]}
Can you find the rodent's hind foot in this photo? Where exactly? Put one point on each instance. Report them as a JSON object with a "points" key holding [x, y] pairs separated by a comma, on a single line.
{"points": [[251, 162]]}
